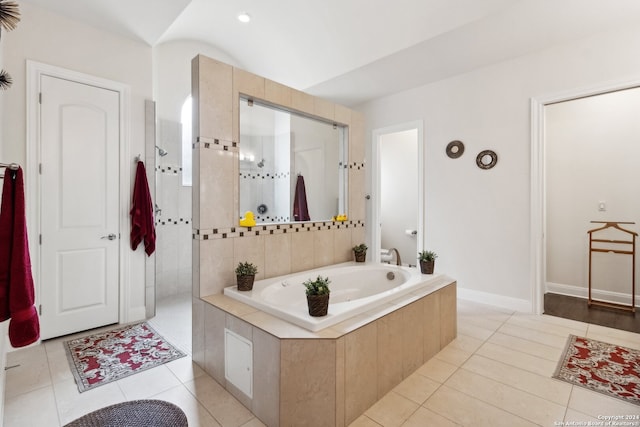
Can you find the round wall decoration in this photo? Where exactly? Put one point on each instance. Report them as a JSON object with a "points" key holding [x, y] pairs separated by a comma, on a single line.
{"points": [[487, 159], [455, 149]]}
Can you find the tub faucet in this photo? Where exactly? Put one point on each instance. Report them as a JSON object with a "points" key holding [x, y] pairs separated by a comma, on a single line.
{"points": [[398, 262]]}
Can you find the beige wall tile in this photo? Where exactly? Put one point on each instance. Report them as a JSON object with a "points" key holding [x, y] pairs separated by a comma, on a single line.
{"points": [[277, 254], [389, 352], [214, 318], [216, 265], [247, 83], [356, 194], [342, 115], [197, 331], [266, 377], [217, 188], [323, 108], [301, 101], [277, 93], [357, 236], [250, 249], [431, 326], [356, 138], [340, 382], [323, 248], [342, 247], [307, 393], [412, 337], [195, 266], [448, 314], [302, 248], [238, 326], [215, 87], [361, 388]]}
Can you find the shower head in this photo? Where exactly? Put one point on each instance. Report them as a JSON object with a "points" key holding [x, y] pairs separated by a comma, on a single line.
{"points": [[162, 151]]}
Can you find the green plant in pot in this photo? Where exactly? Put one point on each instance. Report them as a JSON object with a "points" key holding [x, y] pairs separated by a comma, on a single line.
{"points": [[360, 252], [318, 295], [427, 261], [246, 274]]}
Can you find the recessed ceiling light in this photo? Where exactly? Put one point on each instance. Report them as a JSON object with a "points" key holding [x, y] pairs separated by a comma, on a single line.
{"points": [[244, 17]]}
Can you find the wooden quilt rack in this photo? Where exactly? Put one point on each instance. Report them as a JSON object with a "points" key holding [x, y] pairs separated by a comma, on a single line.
{"points": [[626, 251]]}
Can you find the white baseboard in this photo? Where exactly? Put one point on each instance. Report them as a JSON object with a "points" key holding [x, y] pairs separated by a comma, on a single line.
{"points": [[509, 303], [597, 294]]}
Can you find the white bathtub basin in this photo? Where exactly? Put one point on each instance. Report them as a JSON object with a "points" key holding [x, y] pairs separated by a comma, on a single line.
{"points": [[355, 288]]}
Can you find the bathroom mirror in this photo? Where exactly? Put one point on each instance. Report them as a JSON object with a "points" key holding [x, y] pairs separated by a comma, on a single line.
{"points": [[289, 159]]}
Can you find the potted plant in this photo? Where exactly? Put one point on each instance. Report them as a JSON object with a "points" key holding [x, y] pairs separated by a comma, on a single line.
{"points": [[318, 295], [427, 261], [360, 252], [246, 273]]}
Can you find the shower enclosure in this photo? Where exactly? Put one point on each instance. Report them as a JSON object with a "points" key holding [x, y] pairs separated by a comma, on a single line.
{"points": [[173, 214]]}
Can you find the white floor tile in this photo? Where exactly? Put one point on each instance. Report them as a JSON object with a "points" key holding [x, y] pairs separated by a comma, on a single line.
{"points": [[496, 373]]}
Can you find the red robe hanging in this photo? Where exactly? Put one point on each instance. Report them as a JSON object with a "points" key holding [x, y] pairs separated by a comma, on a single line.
{"points": [[16, 280]]}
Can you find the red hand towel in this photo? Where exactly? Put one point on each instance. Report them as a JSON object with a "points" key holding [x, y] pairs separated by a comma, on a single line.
{"points": [[300, 208], [142, 227], [16, 279]]}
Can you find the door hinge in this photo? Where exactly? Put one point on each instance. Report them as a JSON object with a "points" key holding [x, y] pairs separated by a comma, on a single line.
{"points": [[40, 168], [40, 310], [40, 238], [40, 97]]}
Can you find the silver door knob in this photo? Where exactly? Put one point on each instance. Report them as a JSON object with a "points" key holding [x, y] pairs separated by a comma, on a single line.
{"points": [[109, 236]]}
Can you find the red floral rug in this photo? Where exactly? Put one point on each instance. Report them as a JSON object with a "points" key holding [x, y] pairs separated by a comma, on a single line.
{"points": [[112, 355], [606, 368]]}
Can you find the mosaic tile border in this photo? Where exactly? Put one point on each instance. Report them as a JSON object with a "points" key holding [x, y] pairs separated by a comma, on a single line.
{"points": [[174, 221], [356, 165], [215, 144], [167, 169], [264, 175], [271, 229]]}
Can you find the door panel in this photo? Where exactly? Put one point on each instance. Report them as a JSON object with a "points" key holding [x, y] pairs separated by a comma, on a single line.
{"points": [[80, 131]]}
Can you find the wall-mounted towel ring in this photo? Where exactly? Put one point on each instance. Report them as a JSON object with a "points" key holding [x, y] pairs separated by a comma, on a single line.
{"points": [[455, 149], [487, 159]]}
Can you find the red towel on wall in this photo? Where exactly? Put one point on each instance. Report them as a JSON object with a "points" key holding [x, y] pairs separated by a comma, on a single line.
{"points": [[16, 280], [300, 208], [142, 227]]}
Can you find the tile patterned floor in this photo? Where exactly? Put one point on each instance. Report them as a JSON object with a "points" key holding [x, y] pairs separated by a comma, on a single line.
{"points": [[496, 373]]}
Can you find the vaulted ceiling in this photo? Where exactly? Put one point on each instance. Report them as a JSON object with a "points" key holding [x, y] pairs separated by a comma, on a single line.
{"points": [[354, 50]]}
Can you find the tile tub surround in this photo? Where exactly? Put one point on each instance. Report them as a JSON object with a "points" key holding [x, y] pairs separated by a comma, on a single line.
{"points": [[329, 377]]}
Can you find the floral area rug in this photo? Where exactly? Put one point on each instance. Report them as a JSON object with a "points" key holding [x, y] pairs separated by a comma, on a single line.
{"points": [[112, 355], [606, 368]]}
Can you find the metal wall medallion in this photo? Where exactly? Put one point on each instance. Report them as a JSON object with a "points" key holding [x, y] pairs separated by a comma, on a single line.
{"points": [[487, 159], [455, 149]]}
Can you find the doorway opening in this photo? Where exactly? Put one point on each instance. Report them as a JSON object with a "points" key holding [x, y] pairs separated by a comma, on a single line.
{"points": [[583, 166], [398, 184]]}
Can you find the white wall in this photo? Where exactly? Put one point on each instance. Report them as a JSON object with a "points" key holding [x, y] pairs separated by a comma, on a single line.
{"points": [[399, 189], [479, 220], [592, 152], [52, 39]]}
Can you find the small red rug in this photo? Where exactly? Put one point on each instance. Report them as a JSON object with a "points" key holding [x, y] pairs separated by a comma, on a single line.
{"points": [[112, 355], [606, 368]]}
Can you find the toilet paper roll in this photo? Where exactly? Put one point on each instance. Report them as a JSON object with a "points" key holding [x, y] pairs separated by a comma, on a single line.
{"points": [[411, 232]]}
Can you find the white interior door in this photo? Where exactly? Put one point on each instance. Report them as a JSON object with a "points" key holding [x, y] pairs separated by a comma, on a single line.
{"points": [[79, 182]]}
